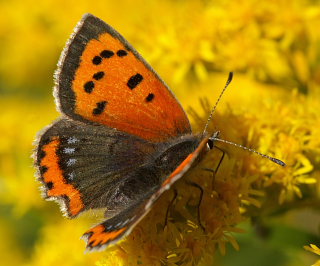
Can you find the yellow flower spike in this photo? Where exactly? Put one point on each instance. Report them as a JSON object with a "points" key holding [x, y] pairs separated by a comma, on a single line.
{"points": [[306, 165], [181, 72], [233, 242], [201, 71], [205, 51], [256, 192], [297, 191], [250, 201], [314, 249], [177, 242], [222, 247], [242, 210], [192, 224], [172, 256], [305, 179]]}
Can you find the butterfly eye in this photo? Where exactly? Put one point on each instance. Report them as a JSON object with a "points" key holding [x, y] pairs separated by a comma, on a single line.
{"points": [[210, 144]]}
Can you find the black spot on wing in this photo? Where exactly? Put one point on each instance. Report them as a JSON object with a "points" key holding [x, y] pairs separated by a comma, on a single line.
{"points": [[100, 108], [134, 81], [98, 75], [46, 141], [97, 60], [49, 185], [42, 154], [121, 53], [88, 86], [106, 54], [150, 97], [43, 169]]}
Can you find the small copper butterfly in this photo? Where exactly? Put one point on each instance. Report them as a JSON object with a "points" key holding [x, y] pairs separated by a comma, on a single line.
{"points": [[123, 138]]}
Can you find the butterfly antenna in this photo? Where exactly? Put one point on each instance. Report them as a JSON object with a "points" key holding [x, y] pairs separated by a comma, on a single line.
{"points": [[275, 160], [215, 106]]}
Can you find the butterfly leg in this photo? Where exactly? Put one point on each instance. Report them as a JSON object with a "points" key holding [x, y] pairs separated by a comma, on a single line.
{"points": [[209, 170], [221, 159], [199, 203], [215, 171], [170, 206]]}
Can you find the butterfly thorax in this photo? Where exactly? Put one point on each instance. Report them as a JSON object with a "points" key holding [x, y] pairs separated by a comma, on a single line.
{"points": [[173, 153]]}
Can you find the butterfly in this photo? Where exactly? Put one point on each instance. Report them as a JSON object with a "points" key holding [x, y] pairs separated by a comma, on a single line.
{"points": [[122, 139]]}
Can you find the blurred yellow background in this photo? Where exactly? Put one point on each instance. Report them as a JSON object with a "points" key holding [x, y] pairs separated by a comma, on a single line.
{"points": [[272, 46]]}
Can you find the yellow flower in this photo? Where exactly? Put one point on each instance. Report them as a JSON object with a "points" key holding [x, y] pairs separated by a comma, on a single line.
{"points": [[59, 244], [272, 106], [19, 125], [314, 249]]}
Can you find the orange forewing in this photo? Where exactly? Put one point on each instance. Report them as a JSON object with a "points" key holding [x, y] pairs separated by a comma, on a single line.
{"points": [[54, 176], [126, 109]]}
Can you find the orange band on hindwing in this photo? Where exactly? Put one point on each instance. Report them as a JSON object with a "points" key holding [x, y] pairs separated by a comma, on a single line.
{"points": [[97, 236], [56, 184]]}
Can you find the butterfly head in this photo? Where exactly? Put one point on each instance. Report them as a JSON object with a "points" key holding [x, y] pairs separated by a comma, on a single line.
{"points": [[211, 140]]}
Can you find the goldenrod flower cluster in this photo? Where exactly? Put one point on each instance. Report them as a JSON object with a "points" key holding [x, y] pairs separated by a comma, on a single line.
{"points": [[272, 105]]}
